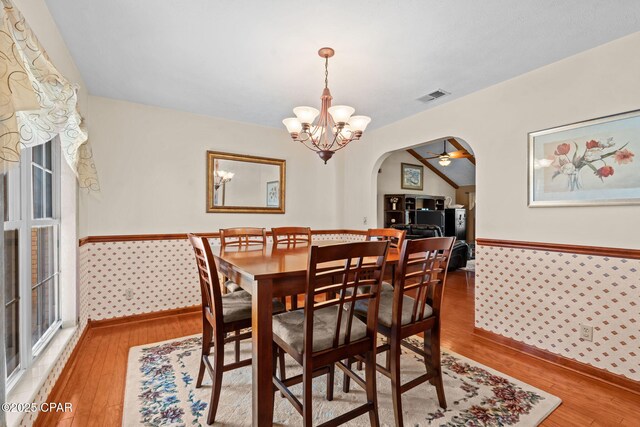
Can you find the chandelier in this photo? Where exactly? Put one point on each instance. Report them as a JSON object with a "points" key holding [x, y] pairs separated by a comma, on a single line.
{"points": [[221, 178], [335, 128]]}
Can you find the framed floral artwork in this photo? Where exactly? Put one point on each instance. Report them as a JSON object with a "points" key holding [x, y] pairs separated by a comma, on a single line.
{"points": [[273, 193], [412, 177], [586, 164]]}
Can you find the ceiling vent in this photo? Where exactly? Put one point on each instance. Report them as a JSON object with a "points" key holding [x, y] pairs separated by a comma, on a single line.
{"points": [[433, 95]]}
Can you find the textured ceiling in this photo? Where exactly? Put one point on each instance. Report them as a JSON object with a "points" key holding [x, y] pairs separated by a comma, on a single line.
{"points": [[460, 171], [254, 60]]}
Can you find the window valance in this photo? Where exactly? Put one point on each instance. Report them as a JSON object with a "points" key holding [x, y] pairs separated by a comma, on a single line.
{"points": [[36, 102]]}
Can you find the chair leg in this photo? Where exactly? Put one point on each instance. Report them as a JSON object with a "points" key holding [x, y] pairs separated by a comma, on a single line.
{"points": [[346, 380], [307, 404], [237, 347], [396, 394], [274, 359], [281, 362], [294, 302], [218, 367], [437, 368], [372, 395], [207, 334], [278, 358], [359, 365], [330, 378]]}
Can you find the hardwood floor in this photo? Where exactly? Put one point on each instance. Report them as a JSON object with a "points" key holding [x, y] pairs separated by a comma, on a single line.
{"points": [[96, 383]]}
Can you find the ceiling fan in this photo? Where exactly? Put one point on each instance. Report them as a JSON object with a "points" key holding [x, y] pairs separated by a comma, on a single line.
{"points": [[445, 157]]}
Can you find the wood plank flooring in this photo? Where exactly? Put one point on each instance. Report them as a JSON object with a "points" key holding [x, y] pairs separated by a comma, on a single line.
{"points": [[96, 383]]}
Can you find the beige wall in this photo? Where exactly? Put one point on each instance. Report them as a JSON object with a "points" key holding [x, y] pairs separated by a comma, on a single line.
{"points": [[389, 181], [152, 170], [495, 121]]}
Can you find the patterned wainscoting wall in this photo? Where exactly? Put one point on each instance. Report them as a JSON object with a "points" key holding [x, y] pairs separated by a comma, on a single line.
{"points": [[124, 278], [541, 297]]}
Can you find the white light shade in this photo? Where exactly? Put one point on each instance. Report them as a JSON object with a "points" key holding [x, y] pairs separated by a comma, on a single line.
{"points": [[359, 123], [346, 132], [306, 114], [444, 161], [293, 125], [341, 113]]}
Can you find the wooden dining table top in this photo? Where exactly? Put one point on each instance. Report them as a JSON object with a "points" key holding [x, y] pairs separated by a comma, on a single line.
{"points": [[276, 261]]}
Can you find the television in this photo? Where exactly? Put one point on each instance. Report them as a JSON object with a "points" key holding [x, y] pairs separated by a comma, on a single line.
{"points": [[426, 217]]}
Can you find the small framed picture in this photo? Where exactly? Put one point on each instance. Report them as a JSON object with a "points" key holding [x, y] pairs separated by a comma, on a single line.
{"points": [[589, 163], [412, 176], [273, 194]]}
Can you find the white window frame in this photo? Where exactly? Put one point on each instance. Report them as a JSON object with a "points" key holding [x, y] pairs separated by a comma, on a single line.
{"points": [[30, 351]]}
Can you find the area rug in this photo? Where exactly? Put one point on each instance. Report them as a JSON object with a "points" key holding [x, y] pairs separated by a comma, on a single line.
{"points": [[160, 391]]}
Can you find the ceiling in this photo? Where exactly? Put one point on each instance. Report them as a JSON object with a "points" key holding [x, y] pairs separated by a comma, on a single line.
{"points": [[460, 171], [253, 61]]}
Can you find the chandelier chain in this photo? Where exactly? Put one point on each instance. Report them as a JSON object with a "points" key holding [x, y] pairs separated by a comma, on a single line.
{"points": [[326, 72]]}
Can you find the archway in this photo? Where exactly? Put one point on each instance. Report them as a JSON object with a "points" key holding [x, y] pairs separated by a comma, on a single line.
{"points": [[432, 183]]}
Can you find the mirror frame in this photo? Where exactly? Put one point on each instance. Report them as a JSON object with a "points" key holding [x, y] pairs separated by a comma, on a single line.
{"points": [[212, 156]]}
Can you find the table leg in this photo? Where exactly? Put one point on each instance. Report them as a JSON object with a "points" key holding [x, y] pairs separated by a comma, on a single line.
{"points": [[262, 339]]}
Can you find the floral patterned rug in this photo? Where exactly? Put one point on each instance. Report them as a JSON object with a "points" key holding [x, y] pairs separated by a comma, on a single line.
{"points": [[161, 391]]}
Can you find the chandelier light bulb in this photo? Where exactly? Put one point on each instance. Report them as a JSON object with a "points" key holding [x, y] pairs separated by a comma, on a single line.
{"points": [[316, 132], [341, 113], [306, 115], [346, 132]]}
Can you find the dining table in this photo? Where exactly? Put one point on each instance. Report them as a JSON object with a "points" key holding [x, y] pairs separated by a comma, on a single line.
{"points": [[267, 272]]}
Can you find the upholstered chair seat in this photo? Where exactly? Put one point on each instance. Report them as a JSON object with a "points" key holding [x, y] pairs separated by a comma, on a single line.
{"points": [[237, 306], [232, 286], [289, 327], [386, 307]]}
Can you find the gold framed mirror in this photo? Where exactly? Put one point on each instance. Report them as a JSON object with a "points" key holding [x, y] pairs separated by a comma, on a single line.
{"points": [[238, 183]]}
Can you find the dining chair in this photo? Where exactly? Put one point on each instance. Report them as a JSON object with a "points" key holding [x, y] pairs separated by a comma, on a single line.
{"points": [[395, 238], [291, 237], [412, 307], [326, 331], [221, 315], [240, 237], [243, 236]]}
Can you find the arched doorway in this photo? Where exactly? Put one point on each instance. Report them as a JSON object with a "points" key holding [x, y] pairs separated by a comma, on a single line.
{"points": [[434, 184]]}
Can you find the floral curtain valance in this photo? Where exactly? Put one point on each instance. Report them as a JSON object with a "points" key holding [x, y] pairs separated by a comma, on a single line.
{"points": [[37, 102]]}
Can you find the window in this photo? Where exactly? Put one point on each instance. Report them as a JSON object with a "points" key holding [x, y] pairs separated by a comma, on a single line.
{"points": [[31, 237]]}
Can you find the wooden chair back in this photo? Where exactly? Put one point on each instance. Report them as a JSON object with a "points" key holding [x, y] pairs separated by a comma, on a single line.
{"points": [[209, 282], [421, 273], [395, 237], [358, 265], [243, 236], [291, 236]]}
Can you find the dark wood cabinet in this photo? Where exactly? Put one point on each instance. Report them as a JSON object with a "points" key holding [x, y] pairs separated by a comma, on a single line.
{"points": [[455, 223], [411, 208]]}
